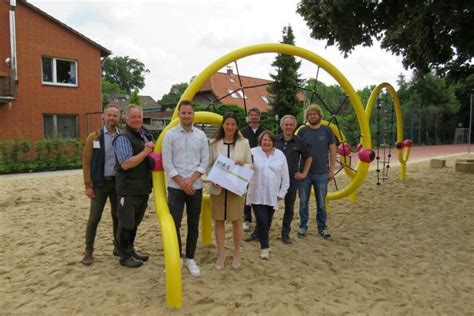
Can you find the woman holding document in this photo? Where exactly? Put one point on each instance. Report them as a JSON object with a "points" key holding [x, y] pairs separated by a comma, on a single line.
{"points": [[227, 206], [269, 184]]}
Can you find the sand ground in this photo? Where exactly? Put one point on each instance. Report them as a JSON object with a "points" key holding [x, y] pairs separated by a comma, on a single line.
{"points": [[404, 248]]}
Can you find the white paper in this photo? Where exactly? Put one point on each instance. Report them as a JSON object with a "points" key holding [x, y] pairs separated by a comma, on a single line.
{"points": [[230, 176]]}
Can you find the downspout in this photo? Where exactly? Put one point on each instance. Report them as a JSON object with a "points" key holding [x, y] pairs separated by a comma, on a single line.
{"points": [[13, 65]]}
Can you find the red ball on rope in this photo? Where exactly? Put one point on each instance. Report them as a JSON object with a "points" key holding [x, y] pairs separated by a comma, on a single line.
{"points": [[344, 149], [158, 161], [399, 145], [366, 155], [407, 143]]}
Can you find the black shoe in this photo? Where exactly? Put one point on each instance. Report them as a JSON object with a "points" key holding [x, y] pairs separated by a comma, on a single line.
{"points": [[115, 252], [286, 240], [251, 238], [325, 233], [143, 258], [131, 262]]}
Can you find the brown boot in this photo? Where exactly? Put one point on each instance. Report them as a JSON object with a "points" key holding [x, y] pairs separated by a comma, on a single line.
{"points": [[87, 260]]}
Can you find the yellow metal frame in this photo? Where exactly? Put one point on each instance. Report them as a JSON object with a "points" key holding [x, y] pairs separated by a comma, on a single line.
{"points": [[402, 158], [169, 237]]}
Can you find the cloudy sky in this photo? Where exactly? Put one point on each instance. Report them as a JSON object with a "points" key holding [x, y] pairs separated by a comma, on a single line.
{"points": [[177, 39]]}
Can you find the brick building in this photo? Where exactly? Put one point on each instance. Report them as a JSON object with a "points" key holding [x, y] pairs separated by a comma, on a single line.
{"points": [[50, 76]]}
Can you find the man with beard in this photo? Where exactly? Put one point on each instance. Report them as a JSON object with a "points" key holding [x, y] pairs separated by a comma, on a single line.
{"points": [[133, 183], [185, 159], [98, 168], [322, 147], [251, 132]]}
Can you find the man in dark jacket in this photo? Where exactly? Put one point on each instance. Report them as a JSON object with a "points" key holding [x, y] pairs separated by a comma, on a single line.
{"points": [[133, 183], [98, 167]]}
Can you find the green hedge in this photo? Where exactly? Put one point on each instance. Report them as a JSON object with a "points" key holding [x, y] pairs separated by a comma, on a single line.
{"points": [[45, 155]]}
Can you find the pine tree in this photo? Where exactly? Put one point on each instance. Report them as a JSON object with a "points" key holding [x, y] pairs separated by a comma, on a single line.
{"points": [[286, 81]]}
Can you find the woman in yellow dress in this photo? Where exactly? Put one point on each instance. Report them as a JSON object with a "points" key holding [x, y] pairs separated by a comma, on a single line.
{"points": [[227, 206]]}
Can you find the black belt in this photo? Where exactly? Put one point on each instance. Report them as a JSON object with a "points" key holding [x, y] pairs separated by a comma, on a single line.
{"points": [[110, 178]]}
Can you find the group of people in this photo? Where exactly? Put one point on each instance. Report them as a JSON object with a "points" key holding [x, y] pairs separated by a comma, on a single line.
{"points": [[117, 166]]}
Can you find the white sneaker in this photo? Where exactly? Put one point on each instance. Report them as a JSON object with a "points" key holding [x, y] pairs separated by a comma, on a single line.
{"points": [[265, 253], [246, 226], [193, 267]]}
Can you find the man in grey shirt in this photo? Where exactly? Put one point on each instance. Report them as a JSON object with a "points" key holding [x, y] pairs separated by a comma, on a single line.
{"points": [[185, 159], [322, 147]]}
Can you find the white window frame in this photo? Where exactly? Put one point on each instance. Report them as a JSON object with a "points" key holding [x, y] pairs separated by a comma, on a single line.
{"points": [[242, 94], [233, 94], [54, 81], [55, 124], [266, 99]]}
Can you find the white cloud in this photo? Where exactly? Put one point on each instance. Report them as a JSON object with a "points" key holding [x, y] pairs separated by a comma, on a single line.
{"points": [[178, 39]]}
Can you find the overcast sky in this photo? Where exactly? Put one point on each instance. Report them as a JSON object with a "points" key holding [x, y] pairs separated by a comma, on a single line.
{"points": [[177, 39]]}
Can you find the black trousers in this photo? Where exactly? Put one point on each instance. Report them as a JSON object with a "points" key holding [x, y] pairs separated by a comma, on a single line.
{"points": [[263, 216], [176, 201], [290, 199], [247, 213], [130, 212]]}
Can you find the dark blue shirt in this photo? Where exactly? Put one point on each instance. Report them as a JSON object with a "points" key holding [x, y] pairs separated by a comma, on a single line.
{"points": [[318, 141]]}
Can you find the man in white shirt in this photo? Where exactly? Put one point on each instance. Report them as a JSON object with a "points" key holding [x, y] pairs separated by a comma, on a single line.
{"points": [[185, 159]]}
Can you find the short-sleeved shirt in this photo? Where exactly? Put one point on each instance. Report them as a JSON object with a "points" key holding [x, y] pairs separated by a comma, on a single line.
{"points": [[317, 141], [296, 152]]}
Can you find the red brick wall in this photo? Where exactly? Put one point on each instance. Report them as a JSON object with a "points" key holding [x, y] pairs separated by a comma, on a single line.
{"points": [[38, 36], [4, 37]]}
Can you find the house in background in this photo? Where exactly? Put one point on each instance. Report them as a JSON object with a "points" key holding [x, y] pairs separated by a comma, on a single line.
{"points": [[50, 76], [152, 115], [225, 88]]}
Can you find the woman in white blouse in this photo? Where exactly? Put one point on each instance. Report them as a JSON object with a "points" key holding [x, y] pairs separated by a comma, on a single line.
{"points": [[269, 184], [227, 206]]}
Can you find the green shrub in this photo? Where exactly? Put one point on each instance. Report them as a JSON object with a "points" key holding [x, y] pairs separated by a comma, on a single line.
{"points": [[44, 155]]}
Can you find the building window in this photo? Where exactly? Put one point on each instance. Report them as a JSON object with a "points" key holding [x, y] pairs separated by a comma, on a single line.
{"points": [[59, 72], [266, 99], [233, 94], [242, 94], [63, 126]]}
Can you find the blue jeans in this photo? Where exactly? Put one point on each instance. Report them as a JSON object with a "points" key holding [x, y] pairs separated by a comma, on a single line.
{"points": [[320, 185]]}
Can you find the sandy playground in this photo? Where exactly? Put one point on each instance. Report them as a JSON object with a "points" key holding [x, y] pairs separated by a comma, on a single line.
{"points": [[404, 248]]}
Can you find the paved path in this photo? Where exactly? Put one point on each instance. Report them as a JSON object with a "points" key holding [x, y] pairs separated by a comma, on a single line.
{"points": [[420, 153]]}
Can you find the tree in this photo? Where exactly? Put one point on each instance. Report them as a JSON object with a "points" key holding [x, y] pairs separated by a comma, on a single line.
{"points": [[128, 73], [433, 103], [284, 88], [429, 35], [173, 96], [134, 98]]}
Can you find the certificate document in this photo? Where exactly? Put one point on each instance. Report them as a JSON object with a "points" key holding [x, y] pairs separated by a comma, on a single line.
{"points": [[230, 176]]}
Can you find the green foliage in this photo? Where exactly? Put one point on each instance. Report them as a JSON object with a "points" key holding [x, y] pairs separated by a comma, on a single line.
{"points": [[134, 98], [434, 102], [128, 73], [286, 81], [45, 155], [427, 34], [173, 96], [105, 100], [111, 88]]}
